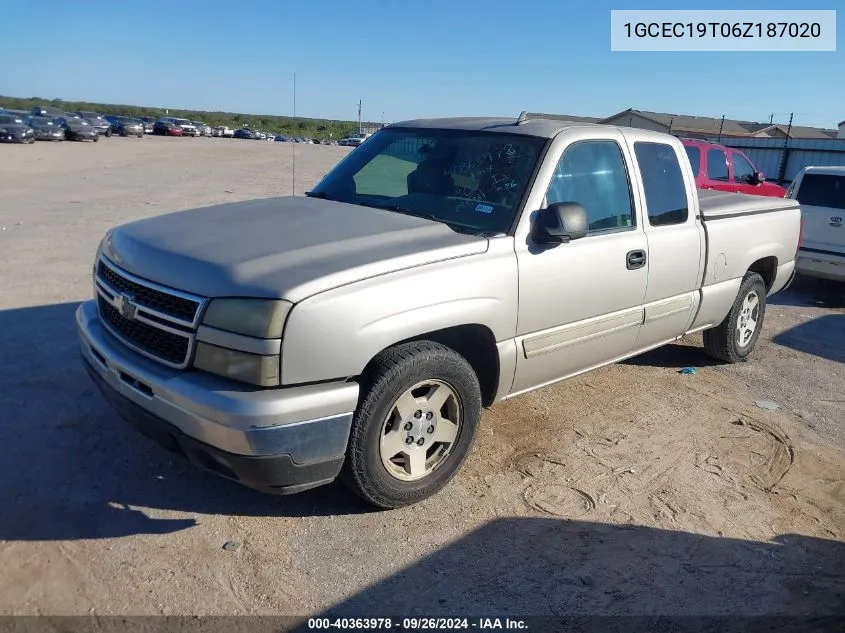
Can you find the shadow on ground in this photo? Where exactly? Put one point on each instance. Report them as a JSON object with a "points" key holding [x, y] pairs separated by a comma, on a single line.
{"points": [[675, 356], [518, 566], [810, 292], [74, 470], [823, 337]]}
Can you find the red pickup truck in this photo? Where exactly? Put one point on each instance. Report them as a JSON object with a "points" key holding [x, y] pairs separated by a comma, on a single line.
{"points": [[727, 169]]}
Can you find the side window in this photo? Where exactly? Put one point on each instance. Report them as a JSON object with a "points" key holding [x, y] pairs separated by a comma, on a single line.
{"points": [[694, 155], [593, 174], [663, 182], [717, 164], [743, 170]]}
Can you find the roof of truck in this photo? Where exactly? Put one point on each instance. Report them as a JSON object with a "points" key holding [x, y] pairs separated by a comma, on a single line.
{"points": [[543, 128]]}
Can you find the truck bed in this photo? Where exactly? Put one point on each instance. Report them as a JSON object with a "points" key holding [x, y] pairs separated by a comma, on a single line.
{"points": [[724, 204]]}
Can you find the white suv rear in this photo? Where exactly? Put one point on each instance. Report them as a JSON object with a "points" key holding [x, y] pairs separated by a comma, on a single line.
{"points": [[821, 193]]}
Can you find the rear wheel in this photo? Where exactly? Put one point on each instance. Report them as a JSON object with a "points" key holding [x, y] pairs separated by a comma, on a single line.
{"points": [[415, 425], [734, 339]]}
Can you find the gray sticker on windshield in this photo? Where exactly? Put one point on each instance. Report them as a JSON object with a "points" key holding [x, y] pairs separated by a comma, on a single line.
{"points": [[484, 208]]}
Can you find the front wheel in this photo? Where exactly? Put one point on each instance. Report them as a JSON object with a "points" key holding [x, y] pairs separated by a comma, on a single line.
{"points": [[108, 133], [415, 424], [735, 337], [96, 138]]}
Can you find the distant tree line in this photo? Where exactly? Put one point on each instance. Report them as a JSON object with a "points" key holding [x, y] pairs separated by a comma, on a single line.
{"points": [[299, 126]]}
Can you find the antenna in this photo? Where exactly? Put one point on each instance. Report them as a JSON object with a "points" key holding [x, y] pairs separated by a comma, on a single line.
{"points": [[293, 145], [523, 117]]}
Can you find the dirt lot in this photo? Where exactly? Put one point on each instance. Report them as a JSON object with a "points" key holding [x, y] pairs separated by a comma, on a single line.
{"points": [[631, 490]]}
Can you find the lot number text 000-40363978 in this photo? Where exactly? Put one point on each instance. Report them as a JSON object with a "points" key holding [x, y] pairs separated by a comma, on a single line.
{"points": [[723, 30]]}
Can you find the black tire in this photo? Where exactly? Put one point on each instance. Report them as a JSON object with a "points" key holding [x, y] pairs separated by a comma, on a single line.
{"points": [[108, 133], [394, 372], [722, 342]]}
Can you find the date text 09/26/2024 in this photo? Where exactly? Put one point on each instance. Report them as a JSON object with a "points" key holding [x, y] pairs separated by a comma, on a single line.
{"points": [[417, 624]]}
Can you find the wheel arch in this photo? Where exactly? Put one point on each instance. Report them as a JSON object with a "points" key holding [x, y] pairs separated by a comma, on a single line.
{"points": [[473, 341]]}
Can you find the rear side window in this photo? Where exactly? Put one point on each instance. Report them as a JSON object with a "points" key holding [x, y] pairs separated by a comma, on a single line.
{"points": [[822, 190], [717, 164], [694, 154], [664, 184]]}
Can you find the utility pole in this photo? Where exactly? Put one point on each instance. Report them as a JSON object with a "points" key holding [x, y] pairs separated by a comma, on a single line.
{"points": [[671, 121], [721, 127], [771, 118], [784, 155], [359, 115]]}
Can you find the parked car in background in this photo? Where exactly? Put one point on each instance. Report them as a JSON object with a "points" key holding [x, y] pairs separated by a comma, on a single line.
{"points": [[46, 128], [166, 127], [49, 111], [727, 169], [78, 129], [245, 132], [23, 115], [821, 193], [148, 122], [97, 120], [14, 130], [126, 126], [203, 129], [188, 128]]}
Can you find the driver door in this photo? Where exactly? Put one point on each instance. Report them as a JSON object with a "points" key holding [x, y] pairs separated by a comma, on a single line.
{"points": [[581, 303]]}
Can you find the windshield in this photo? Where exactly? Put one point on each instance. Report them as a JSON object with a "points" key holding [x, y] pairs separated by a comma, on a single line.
{"points": [[41, 123], [465, 179], [822, 190], [6, 119], [91, 115], [183, 122]]}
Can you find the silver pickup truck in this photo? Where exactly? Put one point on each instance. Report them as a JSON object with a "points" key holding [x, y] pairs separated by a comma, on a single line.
{"points": [[440, 267]]}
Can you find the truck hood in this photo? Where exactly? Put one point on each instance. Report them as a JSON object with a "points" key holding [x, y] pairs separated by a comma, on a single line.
{"points": [[286, 248]]}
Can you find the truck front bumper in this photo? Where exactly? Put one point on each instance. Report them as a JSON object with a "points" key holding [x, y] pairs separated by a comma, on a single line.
{"points": [[280, 441]]}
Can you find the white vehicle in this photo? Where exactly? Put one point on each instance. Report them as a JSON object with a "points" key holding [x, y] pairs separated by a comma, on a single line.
{"points": [[222, 131], [203, 129], [821, 193]]}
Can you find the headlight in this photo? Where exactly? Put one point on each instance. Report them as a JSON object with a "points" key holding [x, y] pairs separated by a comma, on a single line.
{"points": [[262, 318], [252, 368]]}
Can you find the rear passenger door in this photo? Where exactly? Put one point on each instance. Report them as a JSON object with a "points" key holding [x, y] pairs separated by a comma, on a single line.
{"points": [[675, 241], [718, 170]]}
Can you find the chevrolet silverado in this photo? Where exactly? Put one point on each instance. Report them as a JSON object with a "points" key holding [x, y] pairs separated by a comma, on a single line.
{"points": [[356, 333]]}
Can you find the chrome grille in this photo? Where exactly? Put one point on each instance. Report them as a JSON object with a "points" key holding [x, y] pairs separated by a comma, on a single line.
{"points": [[154, 320]]}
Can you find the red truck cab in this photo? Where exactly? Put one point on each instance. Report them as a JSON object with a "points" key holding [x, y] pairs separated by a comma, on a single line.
{"points": [[727, 169]]}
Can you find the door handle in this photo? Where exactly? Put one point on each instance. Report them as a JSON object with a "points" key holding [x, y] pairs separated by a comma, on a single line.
{"points": [[635, 259]]}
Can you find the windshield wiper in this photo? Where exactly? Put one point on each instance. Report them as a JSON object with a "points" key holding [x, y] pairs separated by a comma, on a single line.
{"points": [[322, 195]]}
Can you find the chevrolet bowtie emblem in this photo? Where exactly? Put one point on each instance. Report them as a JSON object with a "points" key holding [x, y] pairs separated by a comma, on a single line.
{"points": [[125, 305]]}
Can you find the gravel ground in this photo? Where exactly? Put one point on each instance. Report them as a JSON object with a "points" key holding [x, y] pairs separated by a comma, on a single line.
{"points": [[630, 490]]}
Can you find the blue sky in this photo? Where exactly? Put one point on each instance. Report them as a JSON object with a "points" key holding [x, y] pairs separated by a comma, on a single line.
{"points": [[403, 59]]}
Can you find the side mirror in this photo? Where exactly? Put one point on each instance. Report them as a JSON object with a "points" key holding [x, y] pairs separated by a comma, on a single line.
{"points": [[756, 178], [560, 222]]}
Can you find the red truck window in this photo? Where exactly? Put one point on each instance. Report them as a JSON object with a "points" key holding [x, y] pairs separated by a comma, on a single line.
{"points": [[717, 164], [694, 154], [743, 170]]}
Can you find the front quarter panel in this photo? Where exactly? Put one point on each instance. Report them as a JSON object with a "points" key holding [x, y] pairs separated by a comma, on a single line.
{"points": [[336, 333]]}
